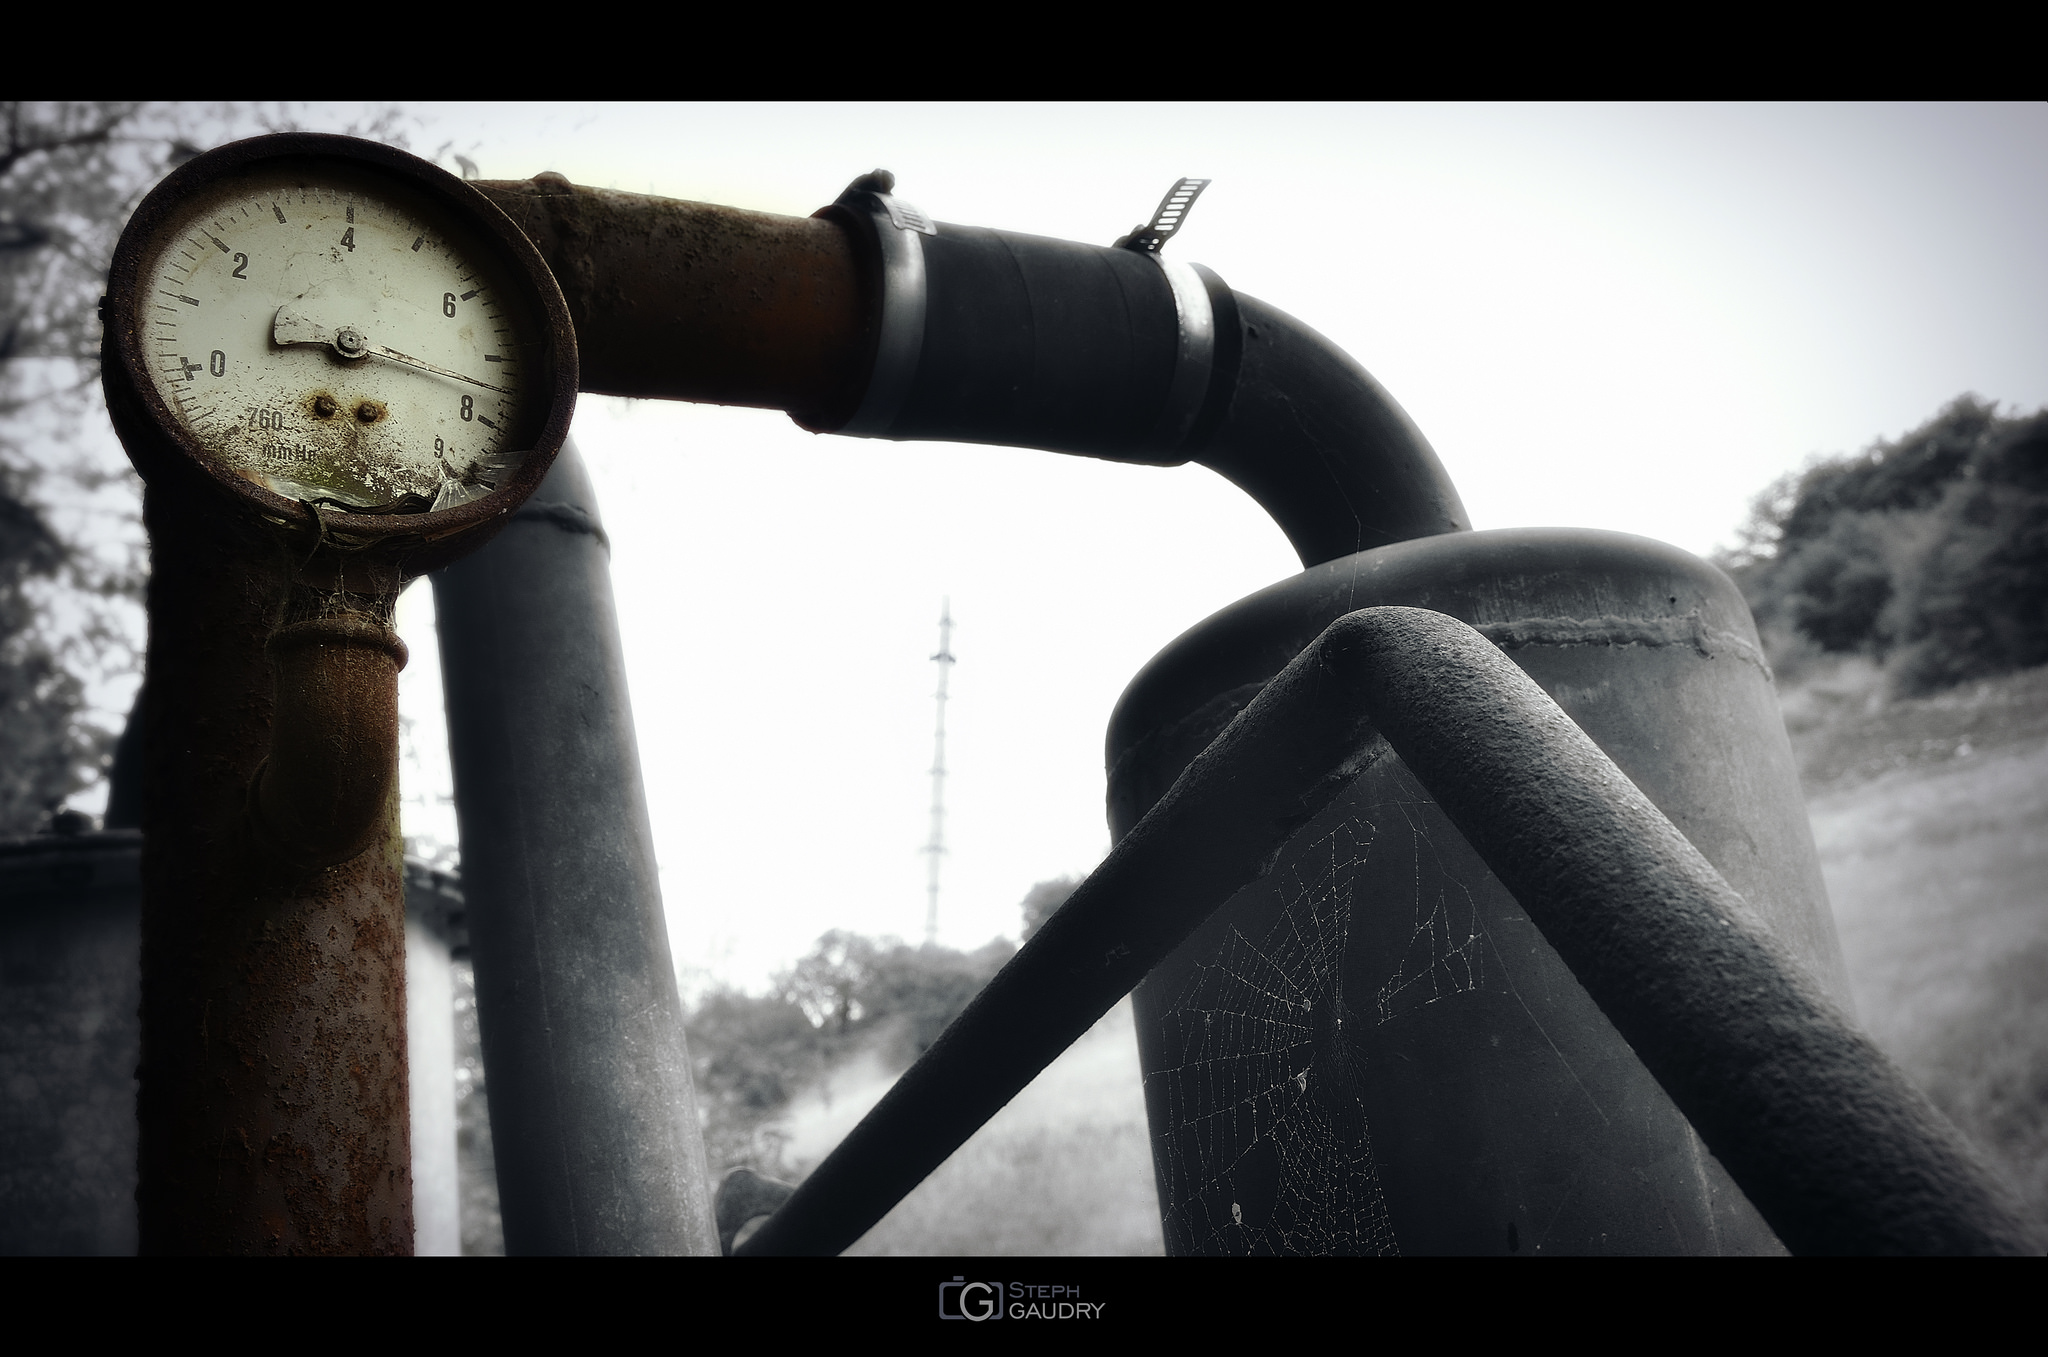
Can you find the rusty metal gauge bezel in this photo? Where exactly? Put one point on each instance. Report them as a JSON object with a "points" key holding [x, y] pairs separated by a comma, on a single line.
{"points": [[159, 442]]}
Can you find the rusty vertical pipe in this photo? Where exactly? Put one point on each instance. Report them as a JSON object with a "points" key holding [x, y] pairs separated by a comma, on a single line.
{"points": [[320, 796], [273, 1104]]}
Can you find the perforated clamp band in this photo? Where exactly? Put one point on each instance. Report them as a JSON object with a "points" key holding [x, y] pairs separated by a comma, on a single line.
{"points": [[1195, 358]]}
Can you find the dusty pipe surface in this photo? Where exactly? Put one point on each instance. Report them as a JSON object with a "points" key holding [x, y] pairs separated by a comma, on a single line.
{"points": [[676, 300], [1834, 1146], [592, 1110], [273, 1104]]}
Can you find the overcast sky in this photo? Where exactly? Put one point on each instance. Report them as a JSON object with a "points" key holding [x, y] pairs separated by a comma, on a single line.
{"points": [[1619, 317]]}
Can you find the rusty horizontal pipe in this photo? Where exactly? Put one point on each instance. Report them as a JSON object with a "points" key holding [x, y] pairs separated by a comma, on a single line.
{"points": [[319, 798], [1002, 338], [1834, 1146], [677, 300]]}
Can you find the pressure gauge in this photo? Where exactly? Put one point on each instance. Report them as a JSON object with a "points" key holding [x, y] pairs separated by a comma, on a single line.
{"points": [[334, 328]]}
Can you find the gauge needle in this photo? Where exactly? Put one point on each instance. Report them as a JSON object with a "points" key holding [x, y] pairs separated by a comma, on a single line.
{"points": [[294, 327], [395, 356]]}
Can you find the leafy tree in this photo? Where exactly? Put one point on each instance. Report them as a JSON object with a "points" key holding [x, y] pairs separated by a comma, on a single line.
{"points": [[1978, 604], [1041, 900], [849, 995], [751, 1054], [69, 176], [1838, 583], [1930, 552], [43, 757]]}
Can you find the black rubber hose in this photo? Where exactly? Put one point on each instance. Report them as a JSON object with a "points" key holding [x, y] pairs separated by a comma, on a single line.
{"points": [[1031, 342], [1322, 447], [1040, 343]]}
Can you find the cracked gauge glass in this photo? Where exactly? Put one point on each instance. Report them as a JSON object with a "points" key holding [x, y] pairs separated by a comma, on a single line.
{"points": [[337, 336]]}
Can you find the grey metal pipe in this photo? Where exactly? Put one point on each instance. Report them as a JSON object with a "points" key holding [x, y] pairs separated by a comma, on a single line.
{"points": [[1823, 1133], [1828, 1139], [592, 1112], [1472, 1084]]}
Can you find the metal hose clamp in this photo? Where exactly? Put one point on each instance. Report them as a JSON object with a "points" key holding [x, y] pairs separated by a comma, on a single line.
{"points": [[1195, 357], [897, 227]]}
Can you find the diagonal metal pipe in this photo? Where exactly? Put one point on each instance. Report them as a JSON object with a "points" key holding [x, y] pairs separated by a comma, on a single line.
{"points": [[1831, 1142]]}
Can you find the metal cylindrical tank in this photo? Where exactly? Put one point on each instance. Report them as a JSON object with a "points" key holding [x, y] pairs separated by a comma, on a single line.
{"points": [[1371, 1050], [70, 1036]]}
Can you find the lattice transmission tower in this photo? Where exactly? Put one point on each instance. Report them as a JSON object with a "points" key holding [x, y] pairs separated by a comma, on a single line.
{"points": [[936, 848]]}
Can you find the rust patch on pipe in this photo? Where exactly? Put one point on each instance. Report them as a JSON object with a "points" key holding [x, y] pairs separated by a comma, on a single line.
{"points": [[689, 301], [273, 1101], [334, 737]]}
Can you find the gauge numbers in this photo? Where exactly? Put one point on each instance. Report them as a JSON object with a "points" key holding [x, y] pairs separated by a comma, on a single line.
{"points": [[338, 344]]}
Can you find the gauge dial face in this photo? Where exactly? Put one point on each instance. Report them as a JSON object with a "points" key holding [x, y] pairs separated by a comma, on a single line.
{"points": [[337, 339]]}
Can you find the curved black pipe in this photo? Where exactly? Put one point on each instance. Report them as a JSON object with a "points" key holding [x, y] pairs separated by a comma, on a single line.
{"points": [[1032, 342], [1308, 433], [1041, 343]]}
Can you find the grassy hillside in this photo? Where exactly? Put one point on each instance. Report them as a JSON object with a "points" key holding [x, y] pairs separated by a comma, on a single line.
{"points": [[1931, 816], [1903, 595]]}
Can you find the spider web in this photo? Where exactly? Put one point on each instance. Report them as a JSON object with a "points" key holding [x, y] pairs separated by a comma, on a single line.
{"points": [[1266, 1149]]}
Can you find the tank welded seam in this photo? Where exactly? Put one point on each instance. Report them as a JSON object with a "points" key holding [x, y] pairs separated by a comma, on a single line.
{"points": [[1690, 629], [1608, 630]]}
